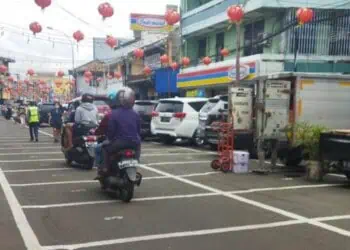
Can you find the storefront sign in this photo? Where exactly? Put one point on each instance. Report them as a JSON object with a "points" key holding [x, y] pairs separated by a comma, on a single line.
{"points": [[144, 22], [215, 76], [153, 61]]}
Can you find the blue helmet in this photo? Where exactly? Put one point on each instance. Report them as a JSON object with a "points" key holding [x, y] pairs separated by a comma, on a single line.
{"points": [[112, 95]]}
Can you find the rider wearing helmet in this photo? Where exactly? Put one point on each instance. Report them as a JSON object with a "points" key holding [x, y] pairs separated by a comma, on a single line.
{"points": [[86, 115], [124, 125], [102, 131]]}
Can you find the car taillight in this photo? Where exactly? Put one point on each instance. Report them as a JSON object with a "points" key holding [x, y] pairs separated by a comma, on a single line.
{"points": [[90, 138], [180, 115], [128, 153], [155, 114]]}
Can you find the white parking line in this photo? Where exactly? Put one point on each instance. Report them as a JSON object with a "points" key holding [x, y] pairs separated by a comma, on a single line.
{"points": [[173, 235], [31, 153], [333, 218], [72, 204], [253, 203], [27, 143], [36, 160], [27, 148], [36, 170], [84, 203], [28, 236], [94, 181]]}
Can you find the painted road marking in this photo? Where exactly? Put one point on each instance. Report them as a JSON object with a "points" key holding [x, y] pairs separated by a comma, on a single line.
{"points": [[114, 218], [170, 197], [56, 169], [28, 236], [253, 203], [94, 181], [27, 148]]}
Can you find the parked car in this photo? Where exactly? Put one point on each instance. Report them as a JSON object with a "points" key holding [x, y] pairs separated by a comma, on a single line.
{"points": [[145, 109], [101, 102], [177, 118], [44, 111]]}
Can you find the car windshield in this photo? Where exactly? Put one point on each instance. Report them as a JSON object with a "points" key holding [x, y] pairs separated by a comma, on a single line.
{"points": [[170, 106], [100, 102], [144, 107], [209, 105]]}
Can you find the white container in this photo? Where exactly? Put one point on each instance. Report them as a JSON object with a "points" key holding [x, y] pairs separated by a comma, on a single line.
{"points": [[240, 157], [240, 168]]}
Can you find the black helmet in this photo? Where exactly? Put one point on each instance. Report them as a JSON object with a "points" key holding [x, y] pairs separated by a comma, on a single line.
{"points": [[87, 98]]}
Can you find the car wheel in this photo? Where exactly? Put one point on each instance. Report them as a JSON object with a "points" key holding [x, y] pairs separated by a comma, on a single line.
{"points": [[196, 140], [215, 164], [168, 140]]}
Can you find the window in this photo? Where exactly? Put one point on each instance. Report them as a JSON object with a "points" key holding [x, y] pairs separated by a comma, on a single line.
{"points": [[339, 37], [252, 33], [224, 98], [220, 44], [197, 105], [144, 107], [209, 105], [202, 48], [170, 107]]}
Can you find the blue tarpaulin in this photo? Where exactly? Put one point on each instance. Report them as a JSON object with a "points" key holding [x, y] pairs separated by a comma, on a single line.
{"points": [[163, 84]]}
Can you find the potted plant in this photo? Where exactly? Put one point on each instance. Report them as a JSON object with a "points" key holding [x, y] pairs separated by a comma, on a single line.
{"points": [[307, 137]]}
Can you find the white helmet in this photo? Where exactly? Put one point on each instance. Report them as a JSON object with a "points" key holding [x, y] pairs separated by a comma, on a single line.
{"points": [[126, 97]]}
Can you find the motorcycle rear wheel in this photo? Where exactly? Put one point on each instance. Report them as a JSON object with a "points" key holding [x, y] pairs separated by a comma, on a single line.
{"points": [[127, 193]]}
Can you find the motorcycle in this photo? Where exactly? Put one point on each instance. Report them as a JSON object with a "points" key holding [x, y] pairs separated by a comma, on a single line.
{"points": [[80, 149], [120, 181]]}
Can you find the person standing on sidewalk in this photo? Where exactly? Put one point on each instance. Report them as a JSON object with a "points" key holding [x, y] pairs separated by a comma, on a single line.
{"points": [[33, 121], [56, 121]]}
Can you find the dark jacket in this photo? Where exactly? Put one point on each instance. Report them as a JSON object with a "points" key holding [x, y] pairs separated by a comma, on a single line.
{"points": [[124, 124], [56, 118], [103, 127]]}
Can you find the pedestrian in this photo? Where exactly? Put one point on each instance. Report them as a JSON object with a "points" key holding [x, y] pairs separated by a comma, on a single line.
{"points": [[22, 115], [56, 121], [33, 121]]}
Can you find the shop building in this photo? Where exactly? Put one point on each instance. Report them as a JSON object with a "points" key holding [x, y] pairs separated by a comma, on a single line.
{"points": [[268, 41]]}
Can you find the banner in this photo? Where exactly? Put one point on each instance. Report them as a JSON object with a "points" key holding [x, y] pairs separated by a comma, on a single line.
{"points": [[145, 22]]}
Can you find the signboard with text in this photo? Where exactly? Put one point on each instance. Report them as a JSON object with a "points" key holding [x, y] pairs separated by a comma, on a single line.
{"points": [[146, 22]]}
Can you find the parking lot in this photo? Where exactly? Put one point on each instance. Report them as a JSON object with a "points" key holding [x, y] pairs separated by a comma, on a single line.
{"points": [[181, 204]]}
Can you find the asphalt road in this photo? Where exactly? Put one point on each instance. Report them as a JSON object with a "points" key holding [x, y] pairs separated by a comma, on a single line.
{"points": [[181, 204]]}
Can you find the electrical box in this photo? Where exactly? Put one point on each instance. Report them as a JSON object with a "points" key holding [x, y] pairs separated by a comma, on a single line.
{"points": [[273, 111], [242, 107]]}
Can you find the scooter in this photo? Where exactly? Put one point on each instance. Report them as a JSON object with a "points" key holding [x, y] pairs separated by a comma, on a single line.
{"points": [[120, 181], [80, 149]]}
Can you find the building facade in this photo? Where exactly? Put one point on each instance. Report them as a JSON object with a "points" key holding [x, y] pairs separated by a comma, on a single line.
{"points": [[269, 39]]}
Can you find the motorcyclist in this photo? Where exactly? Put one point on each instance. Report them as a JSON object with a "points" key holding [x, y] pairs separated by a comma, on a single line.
{"points": [[102, 132], [86, 116], [124, 126]]}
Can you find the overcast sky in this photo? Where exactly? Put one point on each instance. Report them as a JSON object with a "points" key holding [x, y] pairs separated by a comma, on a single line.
{"points": [[16, 40]]}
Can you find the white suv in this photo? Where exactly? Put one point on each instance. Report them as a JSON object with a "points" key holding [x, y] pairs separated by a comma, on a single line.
{"points": [[177, 118]]}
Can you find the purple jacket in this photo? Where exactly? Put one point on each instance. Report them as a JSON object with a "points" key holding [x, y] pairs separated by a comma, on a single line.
{"points": [[124, 124]]}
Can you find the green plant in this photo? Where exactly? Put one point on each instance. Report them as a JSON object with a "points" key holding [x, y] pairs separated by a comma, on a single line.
{"points": [[308, 136]]}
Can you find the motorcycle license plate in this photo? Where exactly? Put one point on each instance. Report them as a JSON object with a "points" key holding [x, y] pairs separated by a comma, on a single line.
{"points": [[128, 164]]}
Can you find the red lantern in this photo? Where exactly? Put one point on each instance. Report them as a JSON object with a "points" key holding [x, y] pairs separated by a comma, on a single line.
{"points": [[304, 15], [99, 79], [111, 42], [139, 53], [10, 79], [235, 13], [42, 82], [186, 61], [207, 60], [26, 81], [117, 75], [3, 69], [43, 3], [105, 10], [87, 74], [172, 17], [224, 52], [110, 77], [147, 70], [60, 73], [30, 72], [164, 59], [35, 27], [78, 36], [174, 66]]}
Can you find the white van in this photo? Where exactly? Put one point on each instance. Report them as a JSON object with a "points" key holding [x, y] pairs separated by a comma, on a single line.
{"points": [[177, 118]]}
